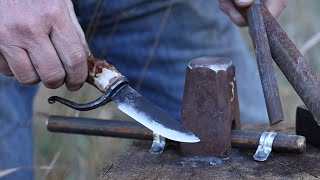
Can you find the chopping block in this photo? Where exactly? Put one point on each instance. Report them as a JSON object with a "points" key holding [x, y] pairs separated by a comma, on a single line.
{"points": [[210, 106]]}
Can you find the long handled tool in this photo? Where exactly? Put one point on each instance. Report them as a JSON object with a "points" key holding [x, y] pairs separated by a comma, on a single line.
{"points": [[264, 60]]}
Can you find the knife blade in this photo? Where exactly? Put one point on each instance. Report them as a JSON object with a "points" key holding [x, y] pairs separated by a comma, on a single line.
{"points": [[114, 87], [151, 116]]}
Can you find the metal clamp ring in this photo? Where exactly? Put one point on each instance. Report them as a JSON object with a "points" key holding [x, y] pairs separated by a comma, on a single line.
{"points": [[265, 146]]}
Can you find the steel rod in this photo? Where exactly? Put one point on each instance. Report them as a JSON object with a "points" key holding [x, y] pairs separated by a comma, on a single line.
{"points": [[282, 142], [97, 127], [134, 130], [264, 61]]}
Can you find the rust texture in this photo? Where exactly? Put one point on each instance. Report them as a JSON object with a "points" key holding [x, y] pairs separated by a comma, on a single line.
{"points": [[282, 142], [307, 126], [242, 139], [293, 65], [264, 61], [89, 126], [210, 106]]}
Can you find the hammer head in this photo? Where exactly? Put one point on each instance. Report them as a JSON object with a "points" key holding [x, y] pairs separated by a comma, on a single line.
{"points": [[210, 106], [307, 126]]}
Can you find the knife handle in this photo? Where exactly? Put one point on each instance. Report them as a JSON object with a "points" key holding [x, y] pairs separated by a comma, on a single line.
{"points": [[102, 74], [104, 77]]}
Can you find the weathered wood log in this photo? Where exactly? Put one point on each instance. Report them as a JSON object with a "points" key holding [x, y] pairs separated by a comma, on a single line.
{"points": [[138, 163]]}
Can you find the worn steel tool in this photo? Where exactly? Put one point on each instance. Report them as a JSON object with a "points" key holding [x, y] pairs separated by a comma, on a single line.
{"points": [[210, 105], [307, 126], [133, 130], [114, 87], [293, 65], [264, 60]]}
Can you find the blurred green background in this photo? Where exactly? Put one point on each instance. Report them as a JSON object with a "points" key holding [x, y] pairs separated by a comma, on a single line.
{"points": [[77, 157]]}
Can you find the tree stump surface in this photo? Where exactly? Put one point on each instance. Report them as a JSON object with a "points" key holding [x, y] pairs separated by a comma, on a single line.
{"points": [[138, 163]]}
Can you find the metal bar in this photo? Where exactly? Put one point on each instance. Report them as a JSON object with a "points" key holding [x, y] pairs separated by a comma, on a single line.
{"points": [[281, 143], [89, 126], [133, 130], [264, 61], [293, 65]]}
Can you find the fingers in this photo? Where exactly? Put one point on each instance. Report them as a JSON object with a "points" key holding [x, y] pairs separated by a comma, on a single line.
{"points": [[71, 52], [243, 3], [45, 43], [77, 26], [46, 62], [4, 67], [20, 64], [276, 8], [235, 9], [233, 12]]}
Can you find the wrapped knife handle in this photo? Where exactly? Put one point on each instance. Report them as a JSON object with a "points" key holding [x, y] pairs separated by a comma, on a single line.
{"points": [[101, 74], [104, 77]]}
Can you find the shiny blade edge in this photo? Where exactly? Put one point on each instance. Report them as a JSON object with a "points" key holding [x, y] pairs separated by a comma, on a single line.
{"points": [[151, 116]]}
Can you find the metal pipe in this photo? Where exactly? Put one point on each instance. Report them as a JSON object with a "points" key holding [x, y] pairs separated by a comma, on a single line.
{"points": [[96, 127], [281, 143], [134, 130]]}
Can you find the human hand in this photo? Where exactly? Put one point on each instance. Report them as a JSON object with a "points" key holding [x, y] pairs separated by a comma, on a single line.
{"points": [[235, 9], [41, 40]]}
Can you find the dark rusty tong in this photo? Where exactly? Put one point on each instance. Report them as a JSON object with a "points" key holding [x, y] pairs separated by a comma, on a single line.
{"points": [[264, 60], [290, 61]]}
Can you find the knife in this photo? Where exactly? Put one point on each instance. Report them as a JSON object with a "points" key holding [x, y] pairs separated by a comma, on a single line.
{"points": [[115, 87]]}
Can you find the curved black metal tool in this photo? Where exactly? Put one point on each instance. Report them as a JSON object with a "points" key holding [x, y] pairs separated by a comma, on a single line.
{"points": [[105, 98]]}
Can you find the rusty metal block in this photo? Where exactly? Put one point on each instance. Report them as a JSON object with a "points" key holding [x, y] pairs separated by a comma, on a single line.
{"points": [[210, 106]]}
